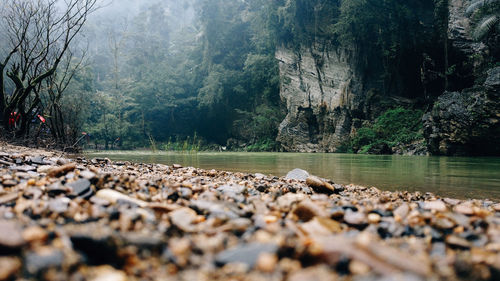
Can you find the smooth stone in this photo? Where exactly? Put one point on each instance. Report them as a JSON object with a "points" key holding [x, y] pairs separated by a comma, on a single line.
{"points": [[354, 218], [245, 253], [266, 262], [80, 187], [464, 208], [37, 160], [108, 273], [8, 267], [319, 185], [113, 196], [8, 198], [61, 170], [297, 174], [24, 168], [9, 183], [44, 169], [457, 242], [86, 174], [374, 218], [59, 205], [57, 188], [437, 205], [34, 233], [307, 210], [43, 259], [183, 218], [11, 235]]}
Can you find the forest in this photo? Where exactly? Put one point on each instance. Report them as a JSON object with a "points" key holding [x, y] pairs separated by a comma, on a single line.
{"points": [[204, 74]]}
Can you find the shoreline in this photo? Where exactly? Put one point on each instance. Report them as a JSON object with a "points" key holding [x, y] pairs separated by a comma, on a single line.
{"points": [[66, 218]]}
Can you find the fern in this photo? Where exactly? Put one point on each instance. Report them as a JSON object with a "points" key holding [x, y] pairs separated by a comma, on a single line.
{"points": [[487, 25], [477, 4]]}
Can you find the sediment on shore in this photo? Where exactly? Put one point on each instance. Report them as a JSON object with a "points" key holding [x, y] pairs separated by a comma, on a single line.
{"points": [[67, 218]]}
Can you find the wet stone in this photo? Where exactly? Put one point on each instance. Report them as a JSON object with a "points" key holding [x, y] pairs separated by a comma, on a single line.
{"points": [[9, 266], [42, 259], [354, 218], [320, 185], [297, 174], [59, 205], [81, 188], [437, 205], [24, 168], [8, 198], [61, 170], [245, 253], [86, 174], [10, 236], [39, 160]]}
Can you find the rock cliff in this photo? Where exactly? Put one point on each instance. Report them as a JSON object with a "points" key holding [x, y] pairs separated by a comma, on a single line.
{"points": [[320, 88]]}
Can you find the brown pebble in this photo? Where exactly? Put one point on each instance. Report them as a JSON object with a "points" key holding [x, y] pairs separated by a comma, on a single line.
{"points": [[8, 267], [319, 185], [34, 233], [61, 170], [7, 198], [464, 208], [373, 218], [266, 262]]}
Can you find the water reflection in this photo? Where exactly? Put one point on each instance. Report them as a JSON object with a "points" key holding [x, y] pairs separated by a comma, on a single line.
{"points": [[461, 177]]}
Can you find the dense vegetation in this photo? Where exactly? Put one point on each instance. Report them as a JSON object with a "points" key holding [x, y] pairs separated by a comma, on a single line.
{"points": [[194, 74]]}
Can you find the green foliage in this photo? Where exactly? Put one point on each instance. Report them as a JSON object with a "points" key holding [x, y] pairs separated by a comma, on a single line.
{"points": [[393, 127], [263, 145], [485, 14]]}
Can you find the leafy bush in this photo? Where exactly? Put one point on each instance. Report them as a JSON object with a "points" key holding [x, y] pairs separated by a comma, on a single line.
{"points": [[393, 127]]}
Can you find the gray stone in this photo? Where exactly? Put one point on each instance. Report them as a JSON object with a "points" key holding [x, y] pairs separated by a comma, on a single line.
{"points": [[35, 262], [246, 253], [297, 174]]}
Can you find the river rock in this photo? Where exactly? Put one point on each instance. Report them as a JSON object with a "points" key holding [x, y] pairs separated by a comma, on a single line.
{"points": [[8, 267], [81, 188], [43, 259], [184, 218], [465, 208], [114, 196], [297, 174], [108, 273], [437, 205], [10, 235], [245, 253], [354, 218], [61, 170], [319, 185], [8, 198]]}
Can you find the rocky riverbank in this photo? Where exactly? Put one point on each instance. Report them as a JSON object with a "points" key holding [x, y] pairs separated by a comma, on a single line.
{"points": [[93, 219]]}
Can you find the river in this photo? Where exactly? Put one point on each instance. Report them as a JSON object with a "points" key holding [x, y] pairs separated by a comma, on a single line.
{"points": [[457, 177]]}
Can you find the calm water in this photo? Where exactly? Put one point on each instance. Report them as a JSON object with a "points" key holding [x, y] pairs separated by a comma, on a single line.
{"points": [[459, 177]]}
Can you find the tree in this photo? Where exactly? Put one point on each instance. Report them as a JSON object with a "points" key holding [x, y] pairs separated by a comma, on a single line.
{"points": [[39, 34]]}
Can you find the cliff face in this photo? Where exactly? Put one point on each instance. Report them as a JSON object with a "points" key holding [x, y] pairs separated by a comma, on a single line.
{"points": [[466, 121], [320, 88]]}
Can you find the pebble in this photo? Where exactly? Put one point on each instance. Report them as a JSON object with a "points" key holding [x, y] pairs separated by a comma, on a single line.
{"points": [[246, 254], [437, 205], [8, 198], [319, 185], [373, 218], [61, 170], [11, 235], [9, 266], [266, 262], [354, 218], [43, 259], [108, 273], [114, 196], [297, 174]]}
